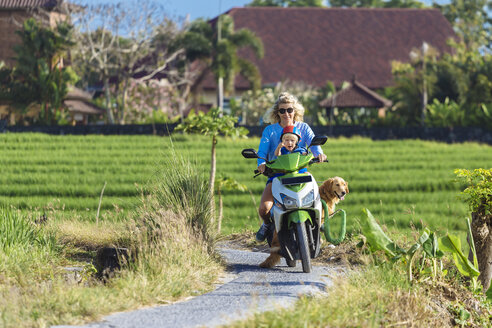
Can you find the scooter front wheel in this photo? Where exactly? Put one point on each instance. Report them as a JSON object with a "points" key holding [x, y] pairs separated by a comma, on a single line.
{"points": [[302, 243]]}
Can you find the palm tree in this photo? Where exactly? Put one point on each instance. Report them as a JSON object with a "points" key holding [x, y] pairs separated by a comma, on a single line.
{"points": [[215, 46]]}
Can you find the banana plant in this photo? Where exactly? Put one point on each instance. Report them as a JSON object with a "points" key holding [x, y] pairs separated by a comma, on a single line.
{"points": [[412, 252], [426, 244], [377, 239], [431, 249], [452, 244]]}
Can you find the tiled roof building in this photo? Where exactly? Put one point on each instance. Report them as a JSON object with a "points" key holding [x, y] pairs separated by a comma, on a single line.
{"points": [[316, 45], [12, 15]]}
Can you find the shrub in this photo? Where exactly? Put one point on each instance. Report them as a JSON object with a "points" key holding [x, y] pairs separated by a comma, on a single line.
{"points": [[478, 194]]}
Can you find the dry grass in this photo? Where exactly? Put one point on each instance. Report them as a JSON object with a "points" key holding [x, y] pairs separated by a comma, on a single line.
{"points": [[89, 235], [373, 294]]}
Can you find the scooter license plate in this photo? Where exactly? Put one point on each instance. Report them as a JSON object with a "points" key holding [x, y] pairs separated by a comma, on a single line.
{"points": [[297, 180]]}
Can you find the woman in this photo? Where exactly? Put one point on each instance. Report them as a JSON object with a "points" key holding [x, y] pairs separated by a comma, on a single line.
{"points": [[286, 111]]}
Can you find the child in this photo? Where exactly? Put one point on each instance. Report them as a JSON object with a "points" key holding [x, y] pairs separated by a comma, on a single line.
{"points": [[289, 140]]}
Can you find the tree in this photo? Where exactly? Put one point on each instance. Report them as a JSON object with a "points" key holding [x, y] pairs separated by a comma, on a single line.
{"points": [[471, 20], [414, 85], [39, 77], [226, 183], [478, 195], [212, 124], [219, 54], [127, 42]]}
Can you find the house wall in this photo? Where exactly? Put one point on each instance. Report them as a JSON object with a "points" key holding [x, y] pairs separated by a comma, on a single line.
{"points": [[11, 21], [210, 96]]}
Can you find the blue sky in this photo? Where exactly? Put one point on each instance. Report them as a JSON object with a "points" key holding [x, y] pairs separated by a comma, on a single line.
{"points": [[200, 8]]}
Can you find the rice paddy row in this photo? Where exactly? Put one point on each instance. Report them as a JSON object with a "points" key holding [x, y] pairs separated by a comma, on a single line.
{"points": [[400, 181]]}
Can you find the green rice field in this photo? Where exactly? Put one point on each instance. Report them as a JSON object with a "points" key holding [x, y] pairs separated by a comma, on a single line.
{"points": [[402, 182]]}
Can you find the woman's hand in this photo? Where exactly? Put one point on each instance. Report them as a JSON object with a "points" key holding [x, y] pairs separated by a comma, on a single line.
{"points": [[261, 168], [321, 158]]}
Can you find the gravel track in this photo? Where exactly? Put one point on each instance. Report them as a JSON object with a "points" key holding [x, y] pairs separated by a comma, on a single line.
{"points": [[247, 289]]}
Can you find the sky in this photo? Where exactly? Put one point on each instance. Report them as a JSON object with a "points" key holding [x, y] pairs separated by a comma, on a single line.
{"points": [[212, 8], [201, 8]]}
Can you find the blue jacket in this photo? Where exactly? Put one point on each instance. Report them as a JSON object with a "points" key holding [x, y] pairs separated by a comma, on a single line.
{"points": [[271, 138]]}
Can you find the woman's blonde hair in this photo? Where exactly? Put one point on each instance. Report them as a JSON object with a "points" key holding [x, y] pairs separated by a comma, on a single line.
{"points": [[272, 116]]}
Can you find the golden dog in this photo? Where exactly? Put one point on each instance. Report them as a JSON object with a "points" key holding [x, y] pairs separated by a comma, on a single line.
{"points": [[332, 191]]}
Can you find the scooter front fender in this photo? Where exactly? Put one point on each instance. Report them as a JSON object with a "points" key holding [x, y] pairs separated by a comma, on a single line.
{"points": [[298, 216]]}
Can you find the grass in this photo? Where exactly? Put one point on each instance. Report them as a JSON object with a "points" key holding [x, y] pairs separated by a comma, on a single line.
{"points": [[379, 295], [171, 257], [402, 182]]}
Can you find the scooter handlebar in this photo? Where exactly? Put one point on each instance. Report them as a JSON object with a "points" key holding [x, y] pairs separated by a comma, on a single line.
{"points": [[315, 160]]}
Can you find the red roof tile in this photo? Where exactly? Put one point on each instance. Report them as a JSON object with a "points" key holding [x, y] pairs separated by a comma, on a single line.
{"points": [[315, 45], [356, 95], [17, 4]]}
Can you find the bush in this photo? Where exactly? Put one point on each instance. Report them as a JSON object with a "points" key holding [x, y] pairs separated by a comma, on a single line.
{"points": [[478, 194]]}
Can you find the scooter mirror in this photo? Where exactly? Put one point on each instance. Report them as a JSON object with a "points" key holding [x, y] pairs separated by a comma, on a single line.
{"points": [[249, 153], [318, 141]]}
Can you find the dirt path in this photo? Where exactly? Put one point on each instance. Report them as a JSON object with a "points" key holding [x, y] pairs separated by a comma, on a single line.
{"points": [[247, 289]]}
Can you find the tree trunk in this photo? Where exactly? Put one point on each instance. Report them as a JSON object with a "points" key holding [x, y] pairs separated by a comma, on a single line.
{"points": [[219, 220], [482, 234], [124, 96], [212, 178], [109, 113], [47, 114], [182, 101]]}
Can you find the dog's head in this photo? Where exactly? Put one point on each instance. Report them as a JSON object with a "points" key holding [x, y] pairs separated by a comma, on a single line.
{"points": [[333, 189]]}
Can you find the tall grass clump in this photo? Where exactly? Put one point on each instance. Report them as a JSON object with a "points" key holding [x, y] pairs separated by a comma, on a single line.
{"points": [[23, 244], [179, 185], [172, 235]]}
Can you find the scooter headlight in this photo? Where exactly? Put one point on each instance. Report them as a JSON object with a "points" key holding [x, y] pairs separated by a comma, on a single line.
{"points": [[289, 202], [308, 199]]}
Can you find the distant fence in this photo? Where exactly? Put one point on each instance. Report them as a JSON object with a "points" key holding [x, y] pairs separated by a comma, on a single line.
{"points": [[450, 135]]}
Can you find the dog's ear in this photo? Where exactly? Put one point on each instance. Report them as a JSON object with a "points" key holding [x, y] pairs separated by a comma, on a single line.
{"points": [[329, 184], [346, 187], [323, 189]]}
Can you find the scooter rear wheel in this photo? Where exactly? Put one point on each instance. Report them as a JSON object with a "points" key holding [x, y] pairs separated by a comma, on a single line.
{"points": [[302, 243]]}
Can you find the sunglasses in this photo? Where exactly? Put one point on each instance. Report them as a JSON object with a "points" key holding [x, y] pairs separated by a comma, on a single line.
{"points": [[283, 110]]}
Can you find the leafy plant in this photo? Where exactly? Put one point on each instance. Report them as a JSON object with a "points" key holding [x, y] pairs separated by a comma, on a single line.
{"points": [[444, 114], [452, 244], [426, 245], [478, 194], [461, 315], [214, 123], [39, 78], [412, 252], [376, 238], [431, 249]]}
